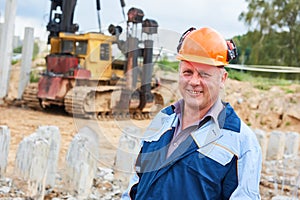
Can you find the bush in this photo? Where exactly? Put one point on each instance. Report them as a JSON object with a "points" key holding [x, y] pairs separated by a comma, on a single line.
{"points": [[35, 52], [34, 77], [166, 65]]}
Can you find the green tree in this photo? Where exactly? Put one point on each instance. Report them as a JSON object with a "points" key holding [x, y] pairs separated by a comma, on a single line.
{"points": [[17, 49], [278, 26], [35, 52]]}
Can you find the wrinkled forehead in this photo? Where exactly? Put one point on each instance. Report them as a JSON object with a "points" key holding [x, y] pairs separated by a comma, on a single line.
{"points": [[199, 66]]}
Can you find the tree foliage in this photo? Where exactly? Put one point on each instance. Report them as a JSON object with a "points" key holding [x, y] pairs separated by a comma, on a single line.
{"points": [[35, 52], [17, 49], [274, 36]]}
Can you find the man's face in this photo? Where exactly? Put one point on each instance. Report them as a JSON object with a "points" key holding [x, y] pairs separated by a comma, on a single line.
{"points": [[200, 84]]}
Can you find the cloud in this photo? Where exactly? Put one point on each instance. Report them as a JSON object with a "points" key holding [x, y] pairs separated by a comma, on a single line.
{"points": [[172, 15], [179, 15], [39, 27]]}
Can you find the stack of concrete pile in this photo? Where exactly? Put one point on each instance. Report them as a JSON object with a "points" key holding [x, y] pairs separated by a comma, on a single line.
{"points": [[4, 147], [36, 160], [38, 177], [36, 168], [105, 187], [281, 163]]}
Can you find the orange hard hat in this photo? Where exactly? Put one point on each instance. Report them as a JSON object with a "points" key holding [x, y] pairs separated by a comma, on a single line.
{"points": [[206, 46]]}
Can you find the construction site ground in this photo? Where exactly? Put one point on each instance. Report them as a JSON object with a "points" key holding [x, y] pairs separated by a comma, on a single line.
{"points": [[259, 109]]}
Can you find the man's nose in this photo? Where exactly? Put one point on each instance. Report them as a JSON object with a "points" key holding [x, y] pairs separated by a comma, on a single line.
{"points": [[195, 79]]}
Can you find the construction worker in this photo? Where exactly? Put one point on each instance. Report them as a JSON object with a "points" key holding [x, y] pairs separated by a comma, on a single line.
{"points": [[198, 148]]}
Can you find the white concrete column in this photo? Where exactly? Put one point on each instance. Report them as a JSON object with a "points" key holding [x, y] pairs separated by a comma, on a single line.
{"points": [[1, 31], [262, 138], [36, 159], [82, 159], [27, 52], [127, 152], [52, 135], [292, 144], [276, 145], [4, 148], [6, 46]]}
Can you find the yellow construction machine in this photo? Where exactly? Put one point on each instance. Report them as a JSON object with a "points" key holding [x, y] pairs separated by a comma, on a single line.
{"points": [[84, 77]]}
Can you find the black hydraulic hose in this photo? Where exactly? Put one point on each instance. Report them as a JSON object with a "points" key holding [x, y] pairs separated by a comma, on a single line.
{"points": [[123, 5], [98, 5], [98, 14]]}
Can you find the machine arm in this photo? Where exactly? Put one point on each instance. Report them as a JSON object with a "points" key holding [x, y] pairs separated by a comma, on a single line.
{"points": [[61, 18]]}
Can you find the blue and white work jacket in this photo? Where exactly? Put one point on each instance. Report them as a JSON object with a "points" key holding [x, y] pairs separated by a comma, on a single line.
{"points": [[213, 163]]}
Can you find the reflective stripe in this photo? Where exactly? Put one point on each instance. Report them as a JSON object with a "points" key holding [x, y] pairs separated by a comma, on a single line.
{"points": [[217, 153]]}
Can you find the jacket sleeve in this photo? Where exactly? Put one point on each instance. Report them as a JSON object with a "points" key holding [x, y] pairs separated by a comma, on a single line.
{"points": [[249, 168]]}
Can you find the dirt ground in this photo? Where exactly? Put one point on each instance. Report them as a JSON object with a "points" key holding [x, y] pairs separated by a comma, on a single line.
{"points": [[23, 121]]}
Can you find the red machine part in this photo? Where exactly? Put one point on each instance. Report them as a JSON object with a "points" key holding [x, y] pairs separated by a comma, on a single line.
{"points": [[53, 88], [61, 63]]}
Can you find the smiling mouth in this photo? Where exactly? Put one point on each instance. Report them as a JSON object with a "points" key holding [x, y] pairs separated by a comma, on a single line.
{"points": [[194, 91]]}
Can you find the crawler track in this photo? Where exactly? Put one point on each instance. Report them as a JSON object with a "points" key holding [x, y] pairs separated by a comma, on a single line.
{"points": [[30, 97], [91, 102]]}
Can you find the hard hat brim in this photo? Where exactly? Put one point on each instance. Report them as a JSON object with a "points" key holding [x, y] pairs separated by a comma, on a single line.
{"points": [[200, 59]]}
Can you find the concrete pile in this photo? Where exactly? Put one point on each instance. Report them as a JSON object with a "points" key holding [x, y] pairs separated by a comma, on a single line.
{"points": [[4, 147], [281, 164], [37, 176], [82, 158], [105, 187]]}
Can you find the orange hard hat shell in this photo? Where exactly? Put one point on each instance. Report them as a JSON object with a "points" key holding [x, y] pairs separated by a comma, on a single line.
{"points": [[204, 45]]}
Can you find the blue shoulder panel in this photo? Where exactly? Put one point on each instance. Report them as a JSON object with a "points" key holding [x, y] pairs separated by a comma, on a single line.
{"points": [[168, 110], [229, 120]]}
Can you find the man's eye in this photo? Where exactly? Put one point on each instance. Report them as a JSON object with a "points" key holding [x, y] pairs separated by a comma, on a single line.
{"points": [[204, 75], [187, 72]]}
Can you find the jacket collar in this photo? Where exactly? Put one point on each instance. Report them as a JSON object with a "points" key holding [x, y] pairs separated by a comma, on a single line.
{"points": [[227, 119], [167, 118]]}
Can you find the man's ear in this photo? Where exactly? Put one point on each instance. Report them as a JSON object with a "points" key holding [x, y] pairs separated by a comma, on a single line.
{"points": [[223, 78]]}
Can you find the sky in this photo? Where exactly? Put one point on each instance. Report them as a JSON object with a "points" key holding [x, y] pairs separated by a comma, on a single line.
{"points": [[172, 16]]}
